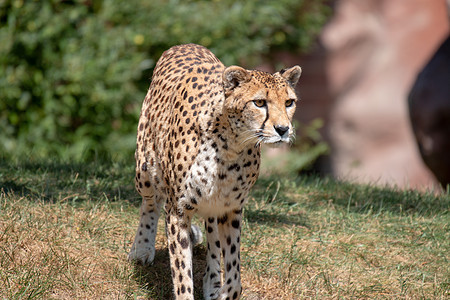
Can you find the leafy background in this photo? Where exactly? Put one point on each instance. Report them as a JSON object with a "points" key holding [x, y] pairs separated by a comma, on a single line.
{"points": [[73, 74]]}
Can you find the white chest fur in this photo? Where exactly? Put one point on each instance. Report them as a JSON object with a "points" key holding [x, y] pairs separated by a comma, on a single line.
{"points": [[219, 185]]}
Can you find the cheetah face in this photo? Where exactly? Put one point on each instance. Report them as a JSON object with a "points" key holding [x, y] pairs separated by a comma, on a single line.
{"points": [[259, 105]]}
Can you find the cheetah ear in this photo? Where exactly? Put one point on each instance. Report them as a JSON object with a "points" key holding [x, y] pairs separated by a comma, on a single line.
{"points": [[233, 76], [292, 75]]}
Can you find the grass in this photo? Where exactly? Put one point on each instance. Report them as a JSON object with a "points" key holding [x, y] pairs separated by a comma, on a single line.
{"points": [[66, 228]]}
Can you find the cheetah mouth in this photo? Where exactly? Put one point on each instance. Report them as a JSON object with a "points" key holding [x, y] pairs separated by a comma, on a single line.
{"points": [[273, 140], [277, 143]]}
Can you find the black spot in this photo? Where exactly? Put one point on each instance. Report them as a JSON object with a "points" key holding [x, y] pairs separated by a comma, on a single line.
{"points": [[228, 267], [233, 249], [184, 243], [218, 244], [222, 220], [235, 223]]}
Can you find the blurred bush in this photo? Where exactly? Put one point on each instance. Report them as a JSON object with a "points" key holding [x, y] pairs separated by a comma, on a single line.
{"points": [[73, 74]]}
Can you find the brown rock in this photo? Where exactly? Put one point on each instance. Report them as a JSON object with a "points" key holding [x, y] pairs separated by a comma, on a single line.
{"points": [[375, 49]]}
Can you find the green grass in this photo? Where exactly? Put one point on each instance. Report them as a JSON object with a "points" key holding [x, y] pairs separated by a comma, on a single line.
{"points": [[66, 228]]}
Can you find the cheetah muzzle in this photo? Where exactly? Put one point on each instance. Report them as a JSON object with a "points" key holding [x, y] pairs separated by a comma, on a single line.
{"points": [[198, 151]]}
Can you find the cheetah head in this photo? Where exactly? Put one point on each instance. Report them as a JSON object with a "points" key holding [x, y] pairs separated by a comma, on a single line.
{"points": [[259, 105]]}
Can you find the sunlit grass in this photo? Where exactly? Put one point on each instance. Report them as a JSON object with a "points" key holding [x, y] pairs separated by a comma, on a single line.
{"points": [[65, 230]]}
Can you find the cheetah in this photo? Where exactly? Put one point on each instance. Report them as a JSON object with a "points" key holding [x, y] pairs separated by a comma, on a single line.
{"points": [[198, 152]]}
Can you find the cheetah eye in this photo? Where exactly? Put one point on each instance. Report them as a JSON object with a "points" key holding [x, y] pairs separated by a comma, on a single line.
{"points": [[289, 103], [260, 103]]}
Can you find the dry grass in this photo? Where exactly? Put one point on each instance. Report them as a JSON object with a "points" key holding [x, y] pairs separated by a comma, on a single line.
{"points": [[58, 251], [65, 231]]}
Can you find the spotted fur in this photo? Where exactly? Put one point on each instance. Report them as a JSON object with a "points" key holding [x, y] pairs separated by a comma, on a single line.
{"points": [[198, 151]]}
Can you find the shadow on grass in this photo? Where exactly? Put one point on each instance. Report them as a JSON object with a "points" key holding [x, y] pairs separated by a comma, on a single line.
{"points": [[54, 180], [314, 193], [362, 198], [275, 219], [157, 278], [9, 186]]}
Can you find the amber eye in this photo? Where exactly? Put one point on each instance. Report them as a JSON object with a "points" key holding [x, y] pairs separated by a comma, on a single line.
{"points": [[289, 103], [259, 103]]}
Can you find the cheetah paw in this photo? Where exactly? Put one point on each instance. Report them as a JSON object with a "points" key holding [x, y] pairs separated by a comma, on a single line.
{"points": [[196, 235], [142, 255], [211, 291], [212, 295]]}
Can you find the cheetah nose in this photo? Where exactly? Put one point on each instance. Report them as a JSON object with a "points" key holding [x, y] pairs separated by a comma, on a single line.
{"points": [[281, 130]]}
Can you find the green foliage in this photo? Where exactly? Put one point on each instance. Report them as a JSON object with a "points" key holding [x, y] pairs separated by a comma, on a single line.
{"points": [[308, 147], [73, 73]]}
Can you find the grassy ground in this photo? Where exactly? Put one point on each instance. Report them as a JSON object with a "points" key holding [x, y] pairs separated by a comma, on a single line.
{"points": [[65, 230]]}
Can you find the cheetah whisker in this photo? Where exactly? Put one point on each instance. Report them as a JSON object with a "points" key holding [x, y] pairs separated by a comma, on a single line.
{"points": [[249, 135]]}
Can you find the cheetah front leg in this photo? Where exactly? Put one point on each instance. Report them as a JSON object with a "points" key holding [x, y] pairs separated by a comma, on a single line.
{"points": [[230, 239], [180, 250], [143, 249], [212, 280], [229, 236]]}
